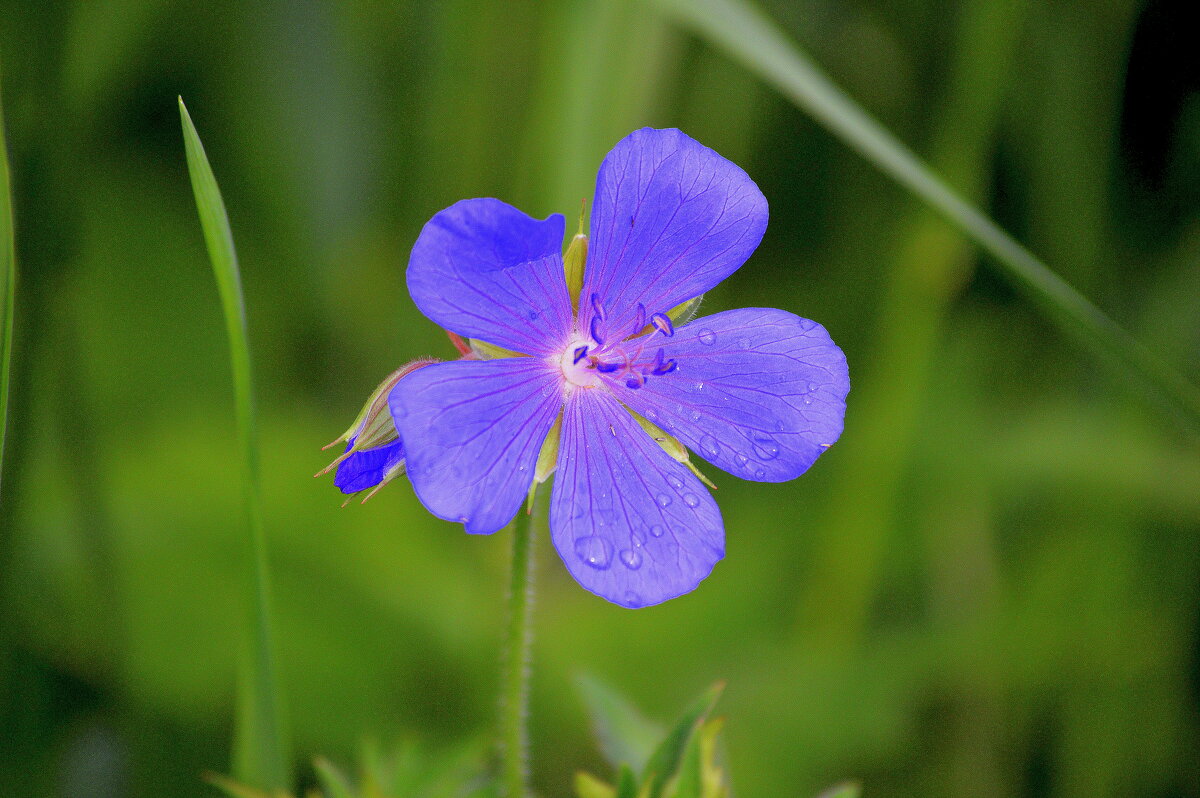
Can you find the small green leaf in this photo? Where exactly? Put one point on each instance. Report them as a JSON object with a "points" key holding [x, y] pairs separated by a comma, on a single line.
{"points": [[844, 789], [627, 786], [233, 789], [333, 781], [664, 763], [625, 736], [588, 786]]}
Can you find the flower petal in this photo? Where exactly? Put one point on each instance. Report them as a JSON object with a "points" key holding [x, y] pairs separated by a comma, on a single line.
{"points": [[670, 220], [486, 270], [473, 430], [631, 524], [758, 392], [366, 469]]}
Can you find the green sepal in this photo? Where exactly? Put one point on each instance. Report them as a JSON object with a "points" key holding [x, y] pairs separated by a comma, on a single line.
{"points": [[485, 351], [671, 445], [664, 764], [698, 775], [574, 262], [547, 460], [684, 312]]}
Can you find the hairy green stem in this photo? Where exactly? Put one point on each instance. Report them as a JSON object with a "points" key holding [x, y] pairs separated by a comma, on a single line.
{"points": [[514, 692]]}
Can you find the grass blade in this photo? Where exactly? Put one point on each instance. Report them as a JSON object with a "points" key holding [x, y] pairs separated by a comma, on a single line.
{"points": [[260, 752], [756, 42], [8, 274]]}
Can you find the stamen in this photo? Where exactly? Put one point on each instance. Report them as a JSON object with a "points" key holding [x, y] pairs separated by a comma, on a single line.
{"points": [[596, 336], [634, 383], [641, 319], [665, 368], [607, 368], [663, 324], [580, 354], [598, 308]]}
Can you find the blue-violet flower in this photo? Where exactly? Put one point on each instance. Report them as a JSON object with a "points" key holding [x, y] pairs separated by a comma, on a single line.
{"points": [[759, 393]]}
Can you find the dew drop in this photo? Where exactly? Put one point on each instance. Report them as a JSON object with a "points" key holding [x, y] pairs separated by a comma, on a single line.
{"points": [[741, 459], [812, 386], [663, 500], [632, 599], [650, 415], [807, 399], [691, 500], [707, 337], [594, 551], [709, 446], [765, 448], [675, 482], [695, 415], [464, 519], [657, 531], [760, 472], [631, 559]]}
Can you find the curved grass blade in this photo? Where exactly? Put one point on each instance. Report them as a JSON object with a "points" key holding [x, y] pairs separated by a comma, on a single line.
{"points": [[260, 756], [753, 40], [8, 276]]}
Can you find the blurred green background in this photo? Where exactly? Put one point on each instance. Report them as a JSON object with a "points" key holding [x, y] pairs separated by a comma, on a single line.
{"points": [[989, 587]]}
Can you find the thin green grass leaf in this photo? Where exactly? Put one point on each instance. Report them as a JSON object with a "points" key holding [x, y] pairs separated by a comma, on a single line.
{"points": [[8, 274], [260, 750], [753, 40]]}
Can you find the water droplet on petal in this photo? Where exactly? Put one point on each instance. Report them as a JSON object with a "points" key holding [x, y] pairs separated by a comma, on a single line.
{"points": [[812, 386], [631, 559], [464, 519], [741, 459], [675, 482], [594, 551], [657, 531], [663, 500], [807, 399], [760, 472], [765, 448], [632, 599], [691, 499], [707, 337], [650, 415], [695, 416], [709, 446]]}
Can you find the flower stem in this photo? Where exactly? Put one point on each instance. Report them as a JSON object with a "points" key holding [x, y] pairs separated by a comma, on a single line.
{"points": [[514, 692]]}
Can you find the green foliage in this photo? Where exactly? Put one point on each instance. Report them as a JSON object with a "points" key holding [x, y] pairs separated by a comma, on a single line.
{"points": [[407, 771], [740, 27], [260, 747], [683, 764]]}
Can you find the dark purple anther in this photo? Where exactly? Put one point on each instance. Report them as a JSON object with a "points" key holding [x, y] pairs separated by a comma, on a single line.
{"points": [[580, 354], [665, 368], [607, 368], [598, 308], [633, 382], [640, 320], [663, 324], [596, 336]]}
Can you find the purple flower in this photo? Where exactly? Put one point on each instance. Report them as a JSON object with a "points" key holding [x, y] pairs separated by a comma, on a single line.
{"points": [[759, 393]]}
